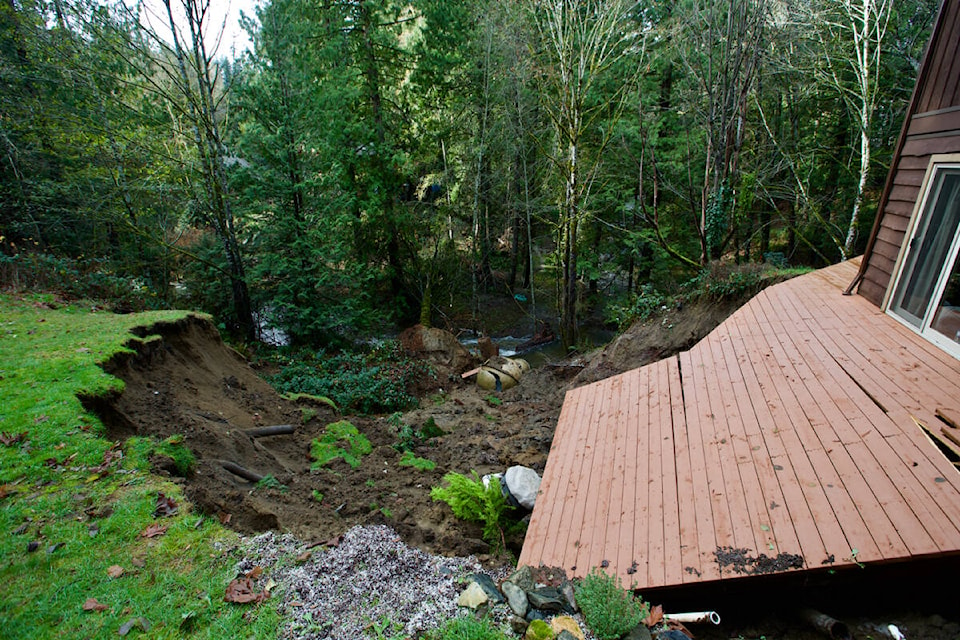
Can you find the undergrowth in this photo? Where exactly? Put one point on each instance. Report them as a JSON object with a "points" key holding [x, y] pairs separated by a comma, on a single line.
{"points": [[340, 440], [376, 382], [716, 282], [470, 500], [468, 628], [608, 609]]}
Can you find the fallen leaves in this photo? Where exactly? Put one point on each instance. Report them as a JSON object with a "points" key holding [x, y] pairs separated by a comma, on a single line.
{"points": [[92, 604], [10, 439], [154, 531], [166, 506], [115, 571], [242, 590]]}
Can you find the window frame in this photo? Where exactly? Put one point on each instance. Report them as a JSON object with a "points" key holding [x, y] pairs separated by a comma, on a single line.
{"points": [[937, 163]]}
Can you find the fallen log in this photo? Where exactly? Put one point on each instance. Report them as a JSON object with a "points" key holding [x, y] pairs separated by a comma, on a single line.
{"points": [[237, 470], [274, 430]]}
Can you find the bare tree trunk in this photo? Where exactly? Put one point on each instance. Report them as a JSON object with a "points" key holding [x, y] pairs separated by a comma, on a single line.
{"points": [[197, 85]]}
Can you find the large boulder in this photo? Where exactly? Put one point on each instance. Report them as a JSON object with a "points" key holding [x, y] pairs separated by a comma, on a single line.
{"points": [[438, 347], [523, 483]]}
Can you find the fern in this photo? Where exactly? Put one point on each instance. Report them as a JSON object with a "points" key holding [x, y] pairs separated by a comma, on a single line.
{"points": [[470, 500]]}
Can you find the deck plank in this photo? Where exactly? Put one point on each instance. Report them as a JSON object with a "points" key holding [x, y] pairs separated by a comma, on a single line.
{"points": [[713, 530], [686, 492], [671, 571]]}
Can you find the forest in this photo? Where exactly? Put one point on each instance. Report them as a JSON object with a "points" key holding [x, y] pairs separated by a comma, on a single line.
{"points": [[367, 165]]}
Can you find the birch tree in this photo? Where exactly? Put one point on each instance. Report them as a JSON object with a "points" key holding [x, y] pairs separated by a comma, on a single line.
{"points": [[580, 40], [851, 34]]}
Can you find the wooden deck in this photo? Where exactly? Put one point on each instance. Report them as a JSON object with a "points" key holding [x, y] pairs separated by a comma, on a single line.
{"points": [[786, 440]]}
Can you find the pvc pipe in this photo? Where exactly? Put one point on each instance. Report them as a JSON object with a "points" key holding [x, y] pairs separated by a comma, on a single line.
{"points": [[694, 616]]}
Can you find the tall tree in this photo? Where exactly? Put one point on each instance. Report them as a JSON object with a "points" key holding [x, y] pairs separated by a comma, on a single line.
{"points": [[851, 35], [581, 41]]}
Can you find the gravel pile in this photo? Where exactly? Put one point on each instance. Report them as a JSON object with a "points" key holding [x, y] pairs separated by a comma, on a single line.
{"points": [[371, 581]]}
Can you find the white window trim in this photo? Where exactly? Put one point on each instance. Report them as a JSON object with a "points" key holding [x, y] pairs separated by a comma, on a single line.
{"points": [[937, 162]]}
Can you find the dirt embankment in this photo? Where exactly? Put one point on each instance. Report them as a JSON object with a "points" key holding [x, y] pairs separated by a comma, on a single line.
{"points": [[182, 379]]}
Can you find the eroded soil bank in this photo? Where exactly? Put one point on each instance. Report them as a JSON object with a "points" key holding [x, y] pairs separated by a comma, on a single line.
{"points": [[184, 380]]}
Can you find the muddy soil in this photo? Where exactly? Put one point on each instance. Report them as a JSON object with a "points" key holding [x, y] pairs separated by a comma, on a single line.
{"points": [[185, 380]]}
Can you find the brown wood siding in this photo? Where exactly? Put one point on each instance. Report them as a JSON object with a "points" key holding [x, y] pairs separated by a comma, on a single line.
{"points": [[933, 128], [937, 93]]}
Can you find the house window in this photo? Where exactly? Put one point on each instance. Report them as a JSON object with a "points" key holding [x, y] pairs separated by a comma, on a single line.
{"points": [[926, 294]]}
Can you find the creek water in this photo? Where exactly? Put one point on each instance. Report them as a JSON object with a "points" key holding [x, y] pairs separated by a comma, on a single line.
{"points": [[545, 353]]}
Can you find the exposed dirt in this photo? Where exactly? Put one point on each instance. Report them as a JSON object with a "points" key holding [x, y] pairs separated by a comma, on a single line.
{"points": [[185, 380]]}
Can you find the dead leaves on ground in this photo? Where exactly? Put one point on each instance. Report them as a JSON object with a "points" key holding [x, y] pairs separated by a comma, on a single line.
{"points": [[655, 616], [115, 571], [166, 506], [154, 531], [10, 439], [92, 604], [243, 591]]}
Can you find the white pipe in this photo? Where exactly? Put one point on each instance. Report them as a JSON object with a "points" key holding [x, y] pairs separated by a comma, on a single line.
{"points": [[695, 616]]}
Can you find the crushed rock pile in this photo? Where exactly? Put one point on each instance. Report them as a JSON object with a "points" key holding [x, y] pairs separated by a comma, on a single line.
{"points": [[370, 578]]}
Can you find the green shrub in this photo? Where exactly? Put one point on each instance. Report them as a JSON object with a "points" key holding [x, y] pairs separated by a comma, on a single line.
{"points": [[431, 430], [642, 306], [468, 628], [376, 382], [85, 278], [410, 460], [472, 501], [270, 482], [341, 440], [608, 609]]}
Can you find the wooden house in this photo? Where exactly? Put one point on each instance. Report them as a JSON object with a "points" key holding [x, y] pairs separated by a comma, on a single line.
{"points": [[910, 267]]}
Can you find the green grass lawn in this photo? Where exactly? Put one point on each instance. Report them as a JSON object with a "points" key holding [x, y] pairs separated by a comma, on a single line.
{"points": [[68, 520]]}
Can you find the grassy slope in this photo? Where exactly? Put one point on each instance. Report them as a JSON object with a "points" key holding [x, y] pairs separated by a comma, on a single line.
{"points": [[175, 581]]}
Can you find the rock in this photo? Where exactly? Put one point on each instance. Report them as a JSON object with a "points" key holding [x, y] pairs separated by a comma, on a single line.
{"points": [[437, 346], [518, 624], [524, 484], [670, 634], [640, 632], [533, 614], [566, 625], [566, 635], [539, 630], [489, 587], [566, 590], [516, 598], [546, 599], [487, 348], [523, 578], [473, 596]]}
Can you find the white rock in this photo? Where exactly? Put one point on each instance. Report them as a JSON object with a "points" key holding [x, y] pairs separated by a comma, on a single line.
{"points": [[523, 484], [473, 596]]}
